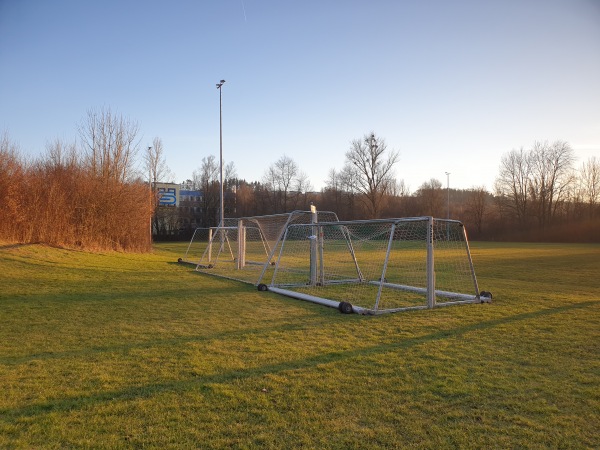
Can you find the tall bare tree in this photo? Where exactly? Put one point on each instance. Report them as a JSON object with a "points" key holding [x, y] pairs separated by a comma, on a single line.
{"points": [[156, 167], [551, 178], [229, 172], [230, 188], [431, 198], [513, 184], [110, 143], [111, 207], [206, 179], [589, 175], [332, 193], [349, 178], [155, 163], [536, 183], [477, 205], [280, 179], [303, 188], [372, 171]]}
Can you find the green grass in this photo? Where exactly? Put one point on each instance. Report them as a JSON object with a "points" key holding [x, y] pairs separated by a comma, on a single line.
{"points": [[135, 351]]}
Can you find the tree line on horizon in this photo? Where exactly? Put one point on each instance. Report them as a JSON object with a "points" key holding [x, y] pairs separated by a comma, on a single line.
{"points": [[94, 195], [539, 193]]}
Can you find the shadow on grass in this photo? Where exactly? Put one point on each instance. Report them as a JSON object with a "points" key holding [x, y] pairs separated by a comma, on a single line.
{"points": [[123, 348], [146, 391]]}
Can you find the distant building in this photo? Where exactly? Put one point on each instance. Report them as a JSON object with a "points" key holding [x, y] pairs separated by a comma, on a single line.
{"points": [[178, 211], [190, 210], [181, 209]]}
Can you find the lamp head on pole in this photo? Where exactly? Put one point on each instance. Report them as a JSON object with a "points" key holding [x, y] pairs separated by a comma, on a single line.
{"points": [[220, 83]]}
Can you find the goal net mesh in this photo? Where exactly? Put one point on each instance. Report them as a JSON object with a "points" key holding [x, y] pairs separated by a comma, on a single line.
{"points": [[243, 248], [377, 265]]}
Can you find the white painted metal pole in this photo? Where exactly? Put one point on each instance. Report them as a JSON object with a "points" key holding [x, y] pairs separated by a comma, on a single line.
{"points": [[314, 245], [430, 265], [241, 257], [222, 209], [385, 264], [210, 238]]}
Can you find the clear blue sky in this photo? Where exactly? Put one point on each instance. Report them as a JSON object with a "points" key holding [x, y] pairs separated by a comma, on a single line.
{"points": [[451, 85]]}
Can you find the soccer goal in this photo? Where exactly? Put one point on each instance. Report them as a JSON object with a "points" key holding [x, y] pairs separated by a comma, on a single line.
{"points": [[243, 248], [376, 266]]}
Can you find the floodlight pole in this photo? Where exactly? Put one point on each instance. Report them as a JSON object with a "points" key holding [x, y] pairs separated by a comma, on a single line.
{"points": [[222, 209], [151, 193]]}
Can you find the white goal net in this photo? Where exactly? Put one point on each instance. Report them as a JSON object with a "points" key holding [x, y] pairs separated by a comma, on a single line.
{"points": [[365, 266], [376, 266], [243, 248]]}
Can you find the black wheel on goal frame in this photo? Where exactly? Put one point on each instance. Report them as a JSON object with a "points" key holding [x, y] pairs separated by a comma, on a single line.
{"points": [[487, 295], [345, 307], [262, 287]]}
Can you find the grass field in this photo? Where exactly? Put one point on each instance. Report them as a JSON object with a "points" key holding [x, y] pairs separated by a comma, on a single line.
{"points": [[136, 351]]}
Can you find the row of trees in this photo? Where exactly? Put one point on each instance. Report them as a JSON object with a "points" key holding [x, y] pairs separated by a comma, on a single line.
{"points": [[541, 185], [91, 195], [87, 196], [539, 193], [365, 182]]}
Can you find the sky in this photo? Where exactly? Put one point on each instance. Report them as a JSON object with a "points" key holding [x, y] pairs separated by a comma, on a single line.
{"points": [[450, 85]]}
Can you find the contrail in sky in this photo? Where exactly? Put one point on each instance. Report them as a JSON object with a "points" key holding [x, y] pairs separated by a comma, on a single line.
{"points": [[244, 8]]}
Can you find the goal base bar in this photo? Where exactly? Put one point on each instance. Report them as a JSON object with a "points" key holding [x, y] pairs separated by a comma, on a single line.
{"points": [[462, 298], [366, 311], [314, 299]]}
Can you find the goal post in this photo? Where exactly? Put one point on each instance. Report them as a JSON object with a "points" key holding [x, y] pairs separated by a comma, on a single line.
{"points": [[377, 266]]}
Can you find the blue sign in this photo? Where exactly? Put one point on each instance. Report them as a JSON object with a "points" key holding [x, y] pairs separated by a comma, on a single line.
{"points": [[167, 196]]}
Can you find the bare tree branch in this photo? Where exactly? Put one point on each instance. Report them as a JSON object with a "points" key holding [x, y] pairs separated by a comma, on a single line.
{"points": [[372, 172]]}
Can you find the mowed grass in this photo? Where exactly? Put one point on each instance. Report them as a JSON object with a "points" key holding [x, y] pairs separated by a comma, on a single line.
{"points": [[136, 351]]}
